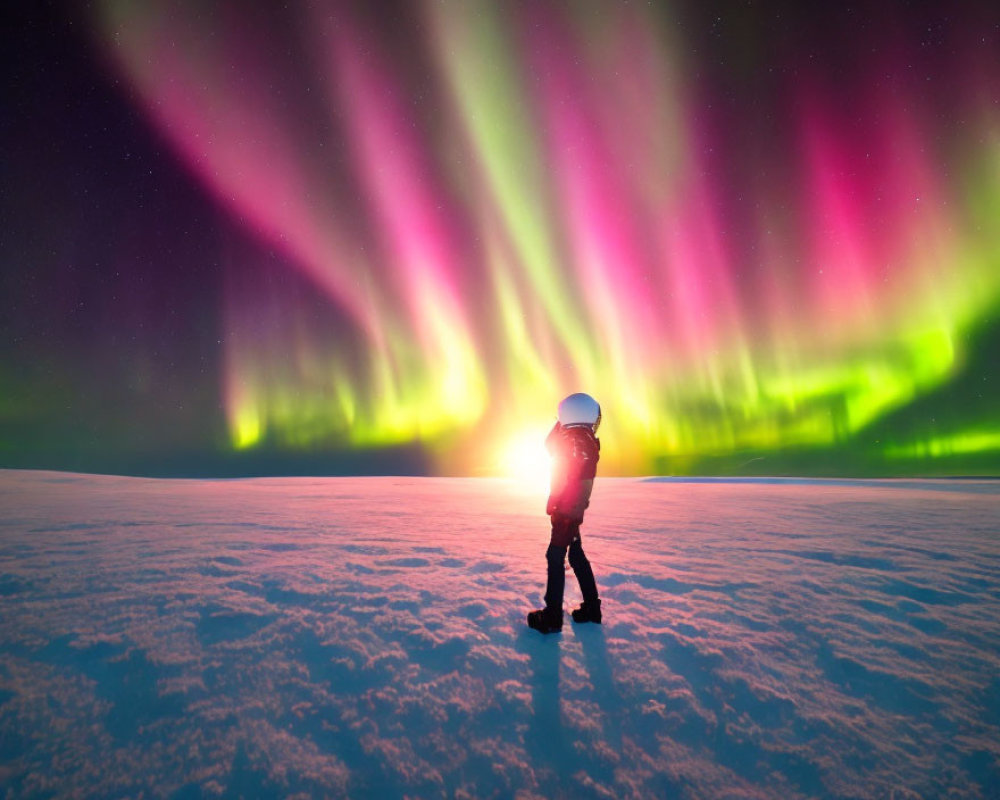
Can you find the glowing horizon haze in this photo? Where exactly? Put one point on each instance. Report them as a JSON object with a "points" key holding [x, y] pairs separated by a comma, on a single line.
{"points": [[500, 204]]}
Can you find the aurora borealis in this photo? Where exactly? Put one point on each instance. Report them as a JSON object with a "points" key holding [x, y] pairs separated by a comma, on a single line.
{"points": [[764, 236]]}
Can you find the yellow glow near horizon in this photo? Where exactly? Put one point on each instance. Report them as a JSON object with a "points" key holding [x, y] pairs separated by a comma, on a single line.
{"points": [[525, 459]]}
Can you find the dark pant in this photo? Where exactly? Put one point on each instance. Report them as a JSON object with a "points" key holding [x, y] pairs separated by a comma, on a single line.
{"points": [[566, 534]]}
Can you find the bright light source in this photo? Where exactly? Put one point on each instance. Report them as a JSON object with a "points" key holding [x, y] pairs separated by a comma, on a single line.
{"points": [[526, 459]]}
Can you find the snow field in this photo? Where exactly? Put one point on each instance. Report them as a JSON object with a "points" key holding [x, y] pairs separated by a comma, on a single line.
{"points": [[365, 637]]}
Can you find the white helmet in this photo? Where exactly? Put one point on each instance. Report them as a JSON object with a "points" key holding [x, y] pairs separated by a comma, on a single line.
{"points": [[580, 409]]}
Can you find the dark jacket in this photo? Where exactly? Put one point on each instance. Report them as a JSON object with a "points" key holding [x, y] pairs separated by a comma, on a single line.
{"points": [[575, 451]]}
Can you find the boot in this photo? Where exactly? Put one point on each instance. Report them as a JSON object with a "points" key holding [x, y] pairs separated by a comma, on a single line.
{"points": [[588, 612], [545, 620]]}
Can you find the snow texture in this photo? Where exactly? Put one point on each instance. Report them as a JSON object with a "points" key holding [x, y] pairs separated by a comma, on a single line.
{"points": [[365, 637]]}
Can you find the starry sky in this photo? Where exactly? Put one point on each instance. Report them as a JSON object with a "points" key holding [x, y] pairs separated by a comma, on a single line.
{"points": [[367, 238]]}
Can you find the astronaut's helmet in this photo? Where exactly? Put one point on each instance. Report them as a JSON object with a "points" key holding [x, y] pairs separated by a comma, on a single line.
{"points": [[580, 409]]}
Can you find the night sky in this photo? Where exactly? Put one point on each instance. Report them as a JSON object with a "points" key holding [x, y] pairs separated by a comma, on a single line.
{"points": [[389, 237]]}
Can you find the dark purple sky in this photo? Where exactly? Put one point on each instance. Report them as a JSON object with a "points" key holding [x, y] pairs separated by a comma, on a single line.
{"points": [[161, 312]]}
